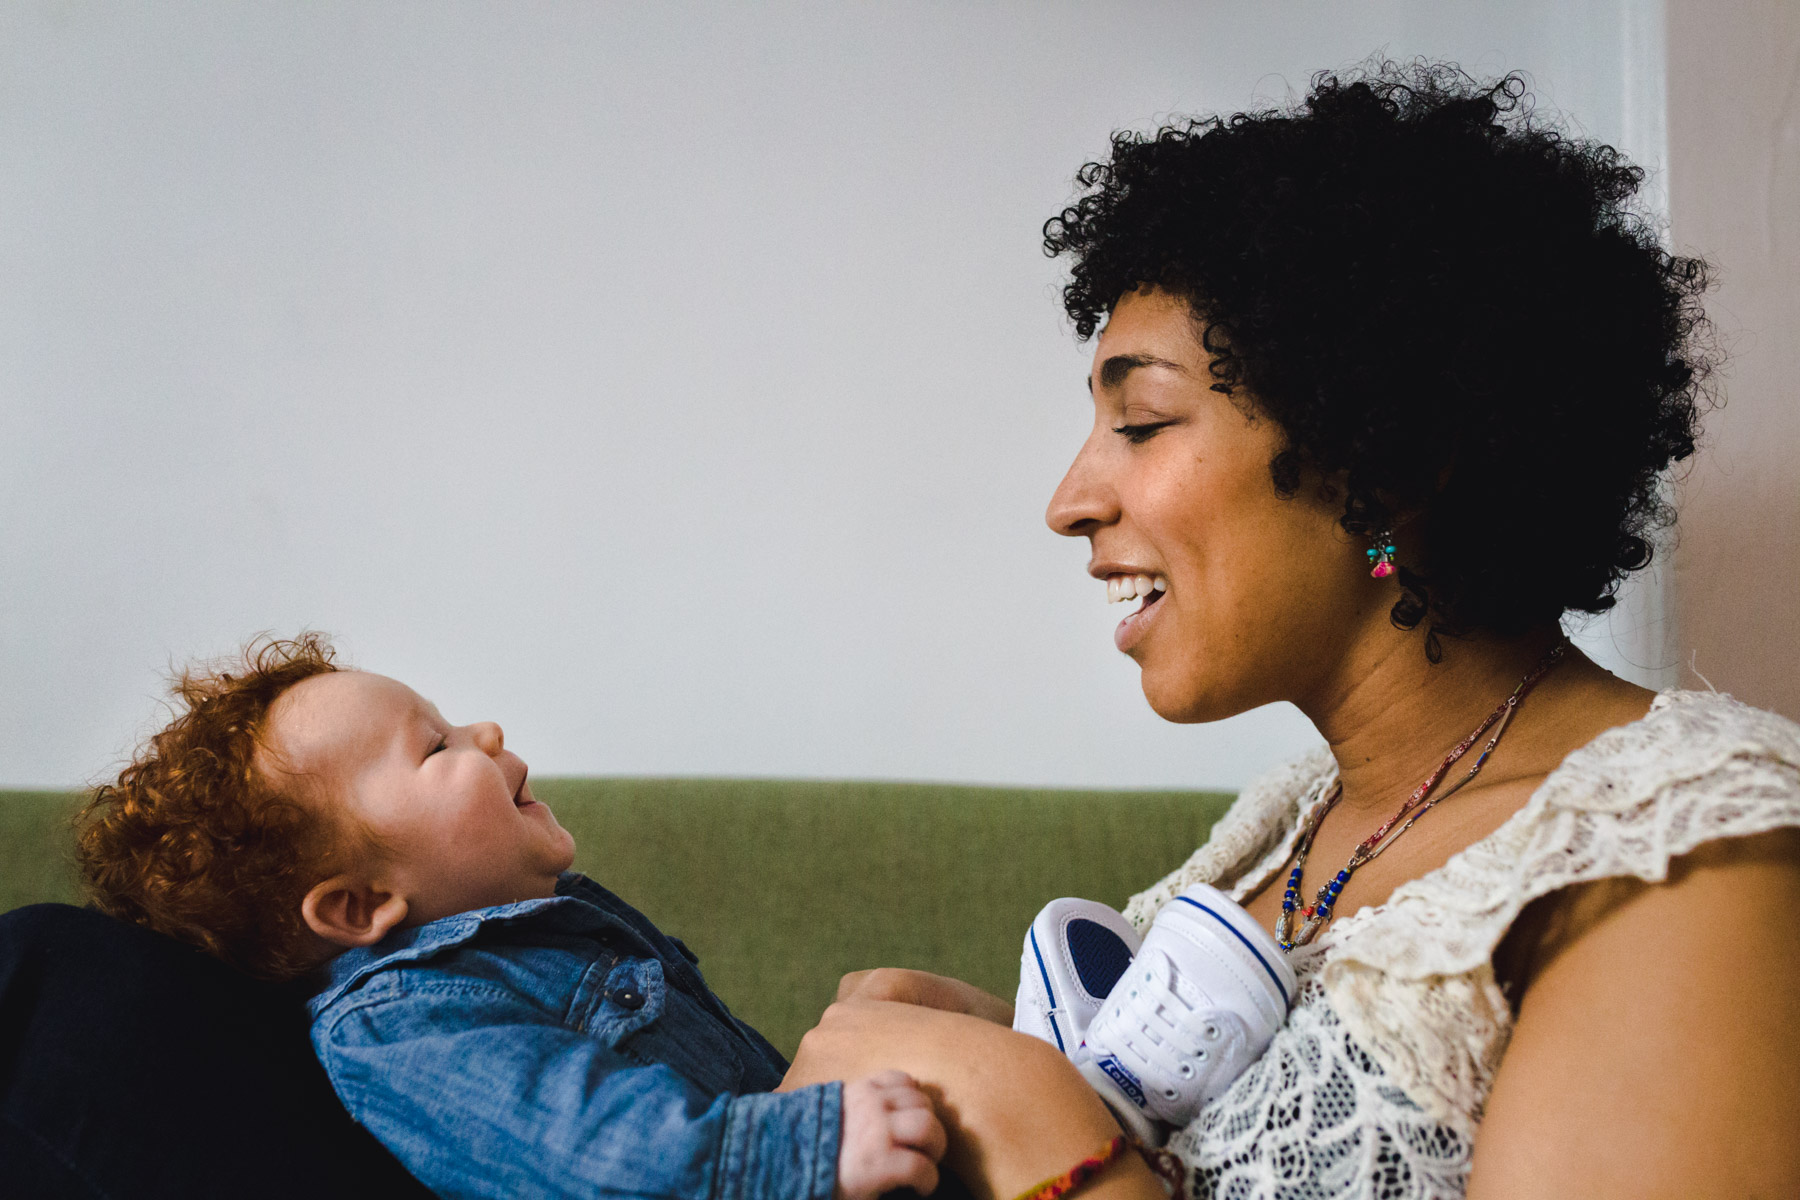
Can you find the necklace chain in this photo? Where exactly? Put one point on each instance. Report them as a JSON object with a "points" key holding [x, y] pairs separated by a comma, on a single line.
{"points": [[1424, 798]]}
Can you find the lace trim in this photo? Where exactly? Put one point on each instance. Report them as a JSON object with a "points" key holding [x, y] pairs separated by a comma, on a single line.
{"points": [[1411, 980], [1316, 1118], [1253, 839]]}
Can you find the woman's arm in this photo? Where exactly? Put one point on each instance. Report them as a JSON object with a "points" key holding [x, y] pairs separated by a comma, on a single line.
{"points": [[1016, 1111], [922, 987], [1656, 1047]]}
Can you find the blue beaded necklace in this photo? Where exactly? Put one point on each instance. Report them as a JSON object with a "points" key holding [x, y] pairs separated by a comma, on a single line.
{"points": [[1318, 914]]}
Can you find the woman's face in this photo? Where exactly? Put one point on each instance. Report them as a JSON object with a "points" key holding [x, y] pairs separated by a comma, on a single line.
{"points": [[1260, 596]]}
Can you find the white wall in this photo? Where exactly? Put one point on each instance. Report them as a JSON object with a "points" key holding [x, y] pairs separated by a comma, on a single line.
{"points": [[679, 385], [1734, 137]]}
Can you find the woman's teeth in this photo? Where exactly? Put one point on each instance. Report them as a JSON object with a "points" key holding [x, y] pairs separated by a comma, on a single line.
{"points": [[1130, 587]]}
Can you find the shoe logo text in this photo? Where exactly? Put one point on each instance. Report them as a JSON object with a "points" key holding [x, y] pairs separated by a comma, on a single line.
{"points": [[1128, 1083]]}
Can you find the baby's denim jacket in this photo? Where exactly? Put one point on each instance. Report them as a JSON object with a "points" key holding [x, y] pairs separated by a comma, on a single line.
{"points": [[565, 1047]]}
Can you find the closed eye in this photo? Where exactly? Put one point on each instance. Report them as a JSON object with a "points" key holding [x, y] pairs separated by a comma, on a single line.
{"points": [[1138, 434], [443, 743]]}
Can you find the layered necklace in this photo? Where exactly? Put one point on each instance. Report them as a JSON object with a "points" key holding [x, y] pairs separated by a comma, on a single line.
{"points": [[1424, 798]]}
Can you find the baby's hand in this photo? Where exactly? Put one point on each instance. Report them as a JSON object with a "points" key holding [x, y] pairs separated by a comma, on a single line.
{"points": [[891, 1138]]}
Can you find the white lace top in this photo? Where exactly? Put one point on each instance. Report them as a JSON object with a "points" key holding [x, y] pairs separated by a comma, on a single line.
{"points": [[1375, 1086]]}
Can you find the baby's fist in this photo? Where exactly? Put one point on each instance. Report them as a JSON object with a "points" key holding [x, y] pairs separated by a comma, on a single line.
{"points": [[891, 1138]]}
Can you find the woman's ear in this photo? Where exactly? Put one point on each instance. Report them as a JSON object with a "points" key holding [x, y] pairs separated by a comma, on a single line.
{"points": [[349, 912]]}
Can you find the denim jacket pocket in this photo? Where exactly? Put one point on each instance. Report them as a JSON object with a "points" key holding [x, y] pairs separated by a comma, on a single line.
{"points": [[622, 1000], [644, 1018]]}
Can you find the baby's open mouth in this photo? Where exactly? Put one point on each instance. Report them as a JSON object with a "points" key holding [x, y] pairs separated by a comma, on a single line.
{"points": [[521, 798]]}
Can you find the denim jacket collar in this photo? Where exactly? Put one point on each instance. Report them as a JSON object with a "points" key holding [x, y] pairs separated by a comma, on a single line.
{"points": [[580, 906]]}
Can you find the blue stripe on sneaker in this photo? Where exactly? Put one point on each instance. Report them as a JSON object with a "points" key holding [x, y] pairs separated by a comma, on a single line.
{"points": [[1051, 992], [1248, 945]]}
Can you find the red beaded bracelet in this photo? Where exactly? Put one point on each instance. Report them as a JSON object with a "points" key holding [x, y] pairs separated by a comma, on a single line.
{"points": [[1061, 1185]]}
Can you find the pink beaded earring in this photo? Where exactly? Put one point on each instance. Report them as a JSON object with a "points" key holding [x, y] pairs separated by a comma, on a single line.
{"points": [[1381, 555]]}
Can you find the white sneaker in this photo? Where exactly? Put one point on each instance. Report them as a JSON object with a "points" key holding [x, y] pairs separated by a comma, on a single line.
{"points": [[1208, 989], [1075, 951]]}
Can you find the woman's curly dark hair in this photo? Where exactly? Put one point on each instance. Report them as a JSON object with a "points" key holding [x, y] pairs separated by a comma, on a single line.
{"points": [[194, 840], [1449, 307]]}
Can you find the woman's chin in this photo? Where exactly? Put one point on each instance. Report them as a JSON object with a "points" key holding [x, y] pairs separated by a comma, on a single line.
{"points": [[1185, 701]]}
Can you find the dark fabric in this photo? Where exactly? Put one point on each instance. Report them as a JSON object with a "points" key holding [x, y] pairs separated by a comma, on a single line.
{"points": [[133, 1066]]}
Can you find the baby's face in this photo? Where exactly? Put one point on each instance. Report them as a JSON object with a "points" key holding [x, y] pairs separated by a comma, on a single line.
{"points": [[448, 804]]}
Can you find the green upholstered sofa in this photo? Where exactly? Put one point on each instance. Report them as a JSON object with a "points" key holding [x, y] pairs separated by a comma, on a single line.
{"points": [[781, 887]]}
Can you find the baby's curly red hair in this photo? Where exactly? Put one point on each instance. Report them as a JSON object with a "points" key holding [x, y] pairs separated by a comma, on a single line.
{"points": [[193, 839]]}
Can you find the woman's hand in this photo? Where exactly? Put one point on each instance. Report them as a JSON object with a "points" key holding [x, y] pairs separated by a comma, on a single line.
{"points": [[860, 1037], [1016, 1111], [923, 988]]}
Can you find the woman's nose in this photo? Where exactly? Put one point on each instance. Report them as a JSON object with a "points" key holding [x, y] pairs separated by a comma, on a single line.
{"points": [[490, 739], [1083, 501]]}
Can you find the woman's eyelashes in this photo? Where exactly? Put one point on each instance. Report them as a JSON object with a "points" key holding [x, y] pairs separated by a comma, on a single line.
{"points": [[1141, 432]]}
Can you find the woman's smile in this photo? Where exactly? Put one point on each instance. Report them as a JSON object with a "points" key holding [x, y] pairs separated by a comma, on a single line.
{"points": [[1237, 587], [1124, 587]]}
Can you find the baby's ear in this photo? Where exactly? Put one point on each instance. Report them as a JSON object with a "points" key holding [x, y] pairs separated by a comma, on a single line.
{"points": [[349, 912]]}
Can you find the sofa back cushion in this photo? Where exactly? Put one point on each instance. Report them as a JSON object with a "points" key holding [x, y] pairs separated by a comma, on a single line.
{"points": [[781, 886]]}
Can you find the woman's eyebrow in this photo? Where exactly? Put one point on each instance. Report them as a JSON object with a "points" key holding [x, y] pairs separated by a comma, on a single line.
{"points": [[1114, 370]]}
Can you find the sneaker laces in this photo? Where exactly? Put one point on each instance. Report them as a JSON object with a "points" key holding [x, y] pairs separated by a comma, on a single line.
{"points": [[1176, 1045]]}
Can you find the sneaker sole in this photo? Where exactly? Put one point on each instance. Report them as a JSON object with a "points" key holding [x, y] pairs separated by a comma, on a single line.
{"points": [[1079, 950]]}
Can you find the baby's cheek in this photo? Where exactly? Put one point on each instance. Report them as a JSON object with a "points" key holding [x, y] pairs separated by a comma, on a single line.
{"points": [[462, 835]]}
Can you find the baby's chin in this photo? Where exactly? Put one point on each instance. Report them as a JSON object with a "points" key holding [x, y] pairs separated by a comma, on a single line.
{"points": [[566, 859], [537, 887]]}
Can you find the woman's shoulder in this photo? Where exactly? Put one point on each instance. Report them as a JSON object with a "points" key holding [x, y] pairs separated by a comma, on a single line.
{"points": [[1413, 978], [1703, 787], [1707, 744], [1617, 987], [1698, 767]]}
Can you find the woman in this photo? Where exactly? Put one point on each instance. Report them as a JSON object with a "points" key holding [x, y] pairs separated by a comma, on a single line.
{"points": [[1385, 384]]}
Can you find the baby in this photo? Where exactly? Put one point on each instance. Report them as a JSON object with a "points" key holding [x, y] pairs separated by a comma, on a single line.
{"points": [[504, 1026]]}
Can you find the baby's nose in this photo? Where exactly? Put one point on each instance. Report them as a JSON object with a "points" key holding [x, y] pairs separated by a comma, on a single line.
{"points": [[489, 737]]}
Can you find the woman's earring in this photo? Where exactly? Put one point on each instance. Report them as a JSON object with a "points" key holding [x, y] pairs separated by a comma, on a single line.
{"points": [[1381, 555]]}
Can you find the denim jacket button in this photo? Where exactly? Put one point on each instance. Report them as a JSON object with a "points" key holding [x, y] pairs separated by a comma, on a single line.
{"points": [[628, 998]]}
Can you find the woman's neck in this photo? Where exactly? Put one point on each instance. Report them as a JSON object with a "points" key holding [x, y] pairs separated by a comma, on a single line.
{"points": [[1391, 716]]}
